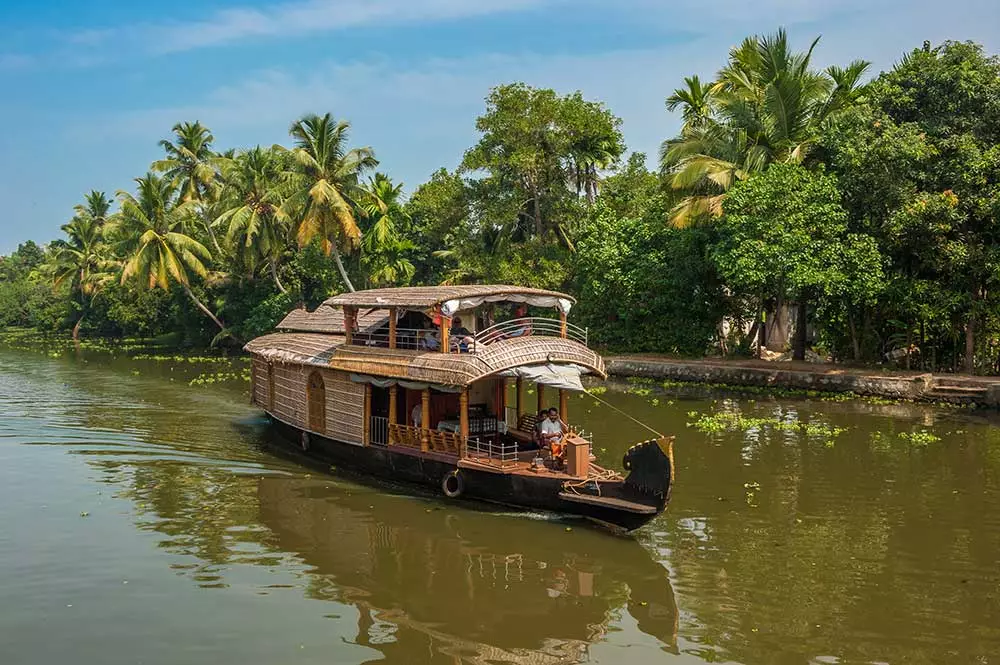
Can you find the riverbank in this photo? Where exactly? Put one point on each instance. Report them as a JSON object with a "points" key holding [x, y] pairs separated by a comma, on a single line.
{"points": [[915, 386]]}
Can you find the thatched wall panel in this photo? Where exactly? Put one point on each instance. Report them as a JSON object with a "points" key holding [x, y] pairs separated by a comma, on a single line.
{"points": [[345, 407], [261, 384]]}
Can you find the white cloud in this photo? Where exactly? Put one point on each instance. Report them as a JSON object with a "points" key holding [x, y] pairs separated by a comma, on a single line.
{"points": [[310, 16]]}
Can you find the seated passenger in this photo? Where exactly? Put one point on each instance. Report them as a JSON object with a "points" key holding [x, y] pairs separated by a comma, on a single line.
{"points": [[551, 432], [461, 337], [428, 339], [521, 324]]}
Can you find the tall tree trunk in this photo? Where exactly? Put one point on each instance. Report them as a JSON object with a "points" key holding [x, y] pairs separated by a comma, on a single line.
{"points": [[211, 234], [340, 267], [202, 307], [536, 208], [970, 345], [762, 339], [799, 347], [855, 342], [76, 328], [970, 336], [274, 275]]}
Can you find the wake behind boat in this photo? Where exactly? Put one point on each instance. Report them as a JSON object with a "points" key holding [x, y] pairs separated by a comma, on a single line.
{"points": [[411, 384]]}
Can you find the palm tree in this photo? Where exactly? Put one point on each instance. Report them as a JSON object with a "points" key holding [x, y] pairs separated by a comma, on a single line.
{"points": [[383, 246], [591, 154], [193, 167], [694, 100], [255, 221], [96, 207], [766, 106], [81, 259], [155, 242], [329, 177]]}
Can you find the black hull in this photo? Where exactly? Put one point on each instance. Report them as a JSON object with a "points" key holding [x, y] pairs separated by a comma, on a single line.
{"points": [[517, 491]]}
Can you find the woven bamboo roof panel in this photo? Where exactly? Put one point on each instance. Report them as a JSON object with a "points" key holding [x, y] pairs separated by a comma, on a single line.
{"points": [[428, 296], [455, 369], [328, 319]]}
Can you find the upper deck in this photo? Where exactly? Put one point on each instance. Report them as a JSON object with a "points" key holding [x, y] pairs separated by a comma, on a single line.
{"points": [[453, 334]]}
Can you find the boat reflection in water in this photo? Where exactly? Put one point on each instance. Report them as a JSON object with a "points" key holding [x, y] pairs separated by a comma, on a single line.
{"points": [[457, 585]]}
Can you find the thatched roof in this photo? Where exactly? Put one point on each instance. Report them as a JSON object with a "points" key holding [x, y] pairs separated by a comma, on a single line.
{"points": [[456, 369], [328, 319], [421, 297]]}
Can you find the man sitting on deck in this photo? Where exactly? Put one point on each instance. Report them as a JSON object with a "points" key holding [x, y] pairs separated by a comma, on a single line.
{"points": [[551, 432], [461, 337]]}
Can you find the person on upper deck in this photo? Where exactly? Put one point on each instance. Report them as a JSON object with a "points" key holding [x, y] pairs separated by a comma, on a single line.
{"points": [[521, 324], [461, 337], [428, 339]]}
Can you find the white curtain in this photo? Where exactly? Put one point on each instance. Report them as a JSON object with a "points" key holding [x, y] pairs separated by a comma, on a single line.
{"points": [[450, 307]]}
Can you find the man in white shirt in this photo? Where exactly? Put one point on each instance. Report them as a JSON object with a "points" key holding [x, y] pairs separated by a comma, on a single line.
{"points": [[551, 431], [417, 415]]}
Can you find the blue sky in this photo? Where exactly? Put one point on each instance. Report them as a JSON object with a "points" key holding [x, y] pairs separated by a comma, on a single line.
{"points": [[90, 87]]}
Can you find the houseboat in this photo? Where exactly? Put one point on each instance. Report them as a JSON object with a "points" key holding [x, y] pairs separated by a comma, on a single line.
{"points": [[411, 384]]}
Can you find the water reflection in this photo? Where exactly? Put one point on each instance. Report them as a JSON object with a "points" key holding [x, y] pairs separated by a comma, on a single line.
{"points": [[483, 587]]}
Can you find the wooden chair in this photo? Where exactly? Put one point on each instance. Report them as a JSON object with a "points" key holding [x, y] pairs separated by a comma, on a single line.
{"points": [[525, 430]]}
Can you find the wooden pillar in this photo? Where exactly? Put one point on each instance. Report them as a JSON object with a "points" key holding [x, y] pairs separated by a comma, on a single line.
{"points": [[368, 414], [564, 406], [502, 398], [392, 328], [349, 320], [463, 413], [541, 396], [393, 396], [519, 389], [425, 419], [445, 334], [562, 324]]}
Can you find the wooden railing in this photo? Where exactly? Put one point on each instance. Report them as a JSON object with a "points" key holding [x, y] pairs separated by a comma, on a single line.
{"points": [[406, 436]]}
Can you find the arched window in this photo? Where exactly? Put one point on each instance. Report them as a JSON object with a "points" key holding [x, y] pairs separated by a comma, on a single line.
{"points": [[316, 402]]}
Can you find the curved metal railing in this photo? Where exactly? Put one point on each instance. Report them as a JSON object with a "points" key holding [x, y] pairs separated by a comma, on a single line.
{"points": [[530, 326]]}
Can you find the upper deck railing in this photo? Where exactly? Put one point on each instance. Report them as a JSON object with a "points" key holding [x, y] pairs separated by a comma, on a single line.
{"points": [[429, 339], [532, 326]]}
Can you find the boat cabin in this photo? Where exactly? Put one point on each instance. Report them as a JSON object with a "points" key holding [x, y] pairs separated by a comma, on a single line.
{"points": [[460, 372]]}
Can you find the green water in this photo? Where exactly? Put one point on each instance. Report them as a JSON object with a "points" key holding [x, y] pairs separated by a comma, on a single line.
{"points": [[147, 520]]}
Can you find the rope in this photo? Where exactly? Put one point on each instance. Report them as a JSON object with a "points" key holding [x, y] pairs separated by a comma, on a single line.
{"points": [[637, 422]]}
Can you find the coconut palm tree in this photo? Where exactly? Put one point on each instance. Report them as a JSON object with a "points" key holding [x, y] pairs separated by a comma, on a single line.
{"points": [[766, 105], [694, 100], [591, 155], [193, 167], [96, 206], [328, 184], [383, 246], [158, 251], [81, 259], [255, 222]]}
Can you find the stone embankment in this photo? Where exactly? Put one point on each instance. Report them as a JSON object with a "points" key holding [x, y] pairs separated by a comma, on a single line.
{"points": [[981, 391]]}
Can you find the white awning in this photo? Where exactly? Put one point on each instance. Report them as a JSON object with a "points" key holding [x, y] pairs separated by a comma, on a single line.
{"points": [[564, 377], [450, 307]]}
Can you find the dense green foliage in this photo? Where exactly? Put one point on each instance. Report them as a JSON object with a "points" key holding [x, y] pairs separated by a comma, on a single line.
{"points": [[872, 206]]}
